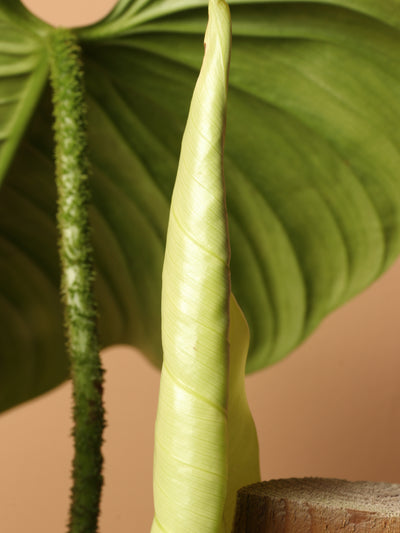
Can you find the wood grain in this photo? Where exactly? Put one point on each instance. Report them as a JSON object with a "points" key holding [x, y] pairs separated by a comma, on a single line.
{"points": [[316, 505]]}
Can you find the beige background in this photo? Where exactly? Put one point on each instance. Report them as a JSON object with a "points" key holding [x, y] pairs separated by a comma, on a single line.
{"points": [[331, 409]]}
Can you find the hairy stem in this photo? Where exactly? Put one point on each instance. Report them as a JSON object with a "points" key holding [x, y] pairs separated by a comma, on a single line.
{"points": [[77, 279]]}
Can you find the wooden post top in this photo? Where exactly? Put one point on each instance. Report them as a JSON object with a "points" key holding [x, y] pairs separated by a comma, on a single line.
{"points": [[317, 505]]}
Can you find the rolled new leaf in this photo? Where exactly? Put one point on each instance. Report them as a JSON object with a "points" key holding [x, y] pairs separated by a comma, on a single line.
{"points": [[192, 451]]}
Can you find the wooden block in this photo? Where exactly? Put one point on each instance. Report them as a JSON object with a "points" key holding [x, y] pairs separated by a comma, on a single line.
{"points": [[316, 505]]}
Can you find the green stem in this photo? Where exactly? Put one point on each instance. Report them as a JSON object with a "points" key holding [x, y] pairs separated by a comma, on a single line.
{"points": [[77, 279]]}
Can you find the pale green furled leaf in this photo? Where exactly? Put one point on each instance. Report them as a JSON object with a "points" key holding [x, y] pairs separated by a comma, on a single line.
{"points": [[311, 160], [205, 441], [190, 445]]}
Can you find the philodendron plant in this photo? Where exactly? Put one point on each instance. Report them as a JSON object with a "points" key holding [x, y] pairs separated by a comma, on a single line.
{"points": [[312, 207]]}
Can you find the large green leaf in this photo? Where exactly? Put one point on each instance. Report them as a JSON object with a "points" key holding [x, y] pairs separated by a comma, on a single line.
{"points": [[23, 72], [312, 159]]}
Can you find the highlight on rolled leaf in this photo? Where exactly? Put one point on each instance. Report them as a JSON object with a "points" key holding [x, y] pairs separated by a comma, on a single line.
{"points": [[195, 449]]}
